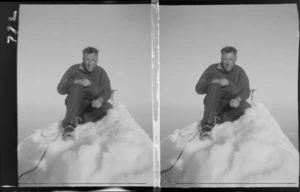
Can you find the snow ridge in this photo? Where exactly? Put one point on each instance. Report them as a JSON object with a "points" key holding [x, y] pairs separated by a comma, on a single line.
{"points": [[112, 151], [250, 152]]}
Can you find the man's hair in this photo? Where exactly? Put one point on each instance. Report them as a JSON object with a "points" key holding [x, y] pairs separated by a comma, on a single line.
{"points": [[229, 49], [90, 50]]}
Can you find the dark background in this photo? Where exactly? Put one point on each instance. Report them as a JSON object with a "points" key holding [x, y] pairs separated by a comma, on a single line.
{"points": [[8, 93]]}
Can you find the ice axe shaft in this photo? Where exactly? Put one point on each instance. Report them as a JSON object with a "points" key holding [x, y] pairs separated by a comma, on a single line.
{"points": [[252, 93], [112, 94]]}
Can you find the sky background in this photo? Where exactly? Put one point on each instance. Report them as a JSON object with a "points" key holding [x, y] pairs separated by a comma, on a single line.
{"points": [[266, 37], [51, 38]]}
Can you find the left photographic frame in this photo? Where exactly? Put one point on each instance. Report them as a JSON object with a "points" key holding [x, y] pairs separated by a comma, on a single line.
{"points": [[115, 150]]}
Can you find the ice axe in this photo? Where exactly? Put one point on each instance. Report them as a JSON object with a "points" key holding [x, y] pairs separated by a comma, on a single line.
{"points": [[252, 93], [112, 94]]}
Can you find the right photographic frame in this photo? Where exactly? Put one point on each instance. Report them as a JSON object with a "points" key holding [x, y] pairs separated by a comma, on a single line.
{"points": [[228, 94]]}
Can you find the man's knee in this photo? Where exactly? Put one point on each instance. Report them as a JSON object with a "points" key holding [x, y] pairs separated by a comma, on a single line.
{"points": [[213, 93], [214, 87], [75, 92], [97, 114], [244, 105], [102, 111], [236, 113], [76, 88], [106, 106]]}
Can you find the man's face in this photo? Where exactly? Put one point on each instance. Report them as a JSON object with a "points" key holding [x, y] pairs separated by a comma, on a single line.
{"points": [[90, 61], [228, 61]]}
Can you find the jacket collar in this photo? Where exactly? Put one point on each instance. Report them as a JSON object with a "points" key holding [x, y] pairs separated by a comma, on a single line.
{"points": [[221, 68], [82, 69]]}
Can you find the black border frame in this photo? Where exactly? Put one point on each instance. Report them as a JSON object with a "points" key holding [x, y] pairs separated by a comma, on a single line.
{"points": [[8, 95]]}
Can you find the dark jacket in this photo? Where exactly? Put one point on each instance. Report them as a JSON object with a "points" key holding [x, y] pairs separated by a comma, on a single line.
{"points": [[238, 80], [100, 83]]}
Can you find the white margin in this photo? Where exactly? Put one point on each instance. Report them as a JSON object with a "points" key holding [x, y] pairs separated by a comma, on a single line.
{"points": [[155, 58]]}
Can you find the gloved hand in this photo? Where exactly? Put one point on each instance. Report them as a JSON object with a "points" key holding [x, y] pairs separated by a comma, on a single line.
{"points": [[235, 102], [223, 82], [97, 103]]}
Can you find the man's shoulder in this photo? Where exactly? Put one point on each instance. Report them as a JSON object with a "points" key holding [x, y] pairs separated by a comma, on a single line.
{"points": [[212, 66], [74, 66], [239, 69], [215, 65], [100, 69]]}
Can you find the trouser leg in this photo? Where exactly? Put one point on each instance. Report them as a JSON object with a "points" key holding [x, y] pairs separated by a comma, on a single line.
{"points": [[212, 105], [93, 114], [74, 103], [232, 114]]}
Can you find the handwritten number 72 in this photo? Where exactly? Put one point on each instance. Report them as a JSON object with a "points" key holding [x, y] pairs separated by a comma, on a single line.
{"points": [[11, 29]]}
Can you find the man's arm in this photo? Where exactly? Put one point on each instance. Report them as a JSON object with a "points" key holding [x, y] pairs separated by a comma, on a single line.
{"points": [[203, 82], [245, 87], [65, 82], [242, 89], [102, 91], [105, 94]]}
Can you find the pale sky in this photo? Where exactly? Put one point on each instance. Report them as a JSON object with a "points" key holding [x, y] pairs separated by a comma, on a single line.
{"points": [[191, 38], [51, 38]]}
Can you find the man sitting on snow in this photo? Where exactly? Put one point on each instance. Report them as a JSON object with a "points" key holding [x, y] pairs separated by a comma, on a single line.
{"points": [[226, 86], [88, 88]]}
